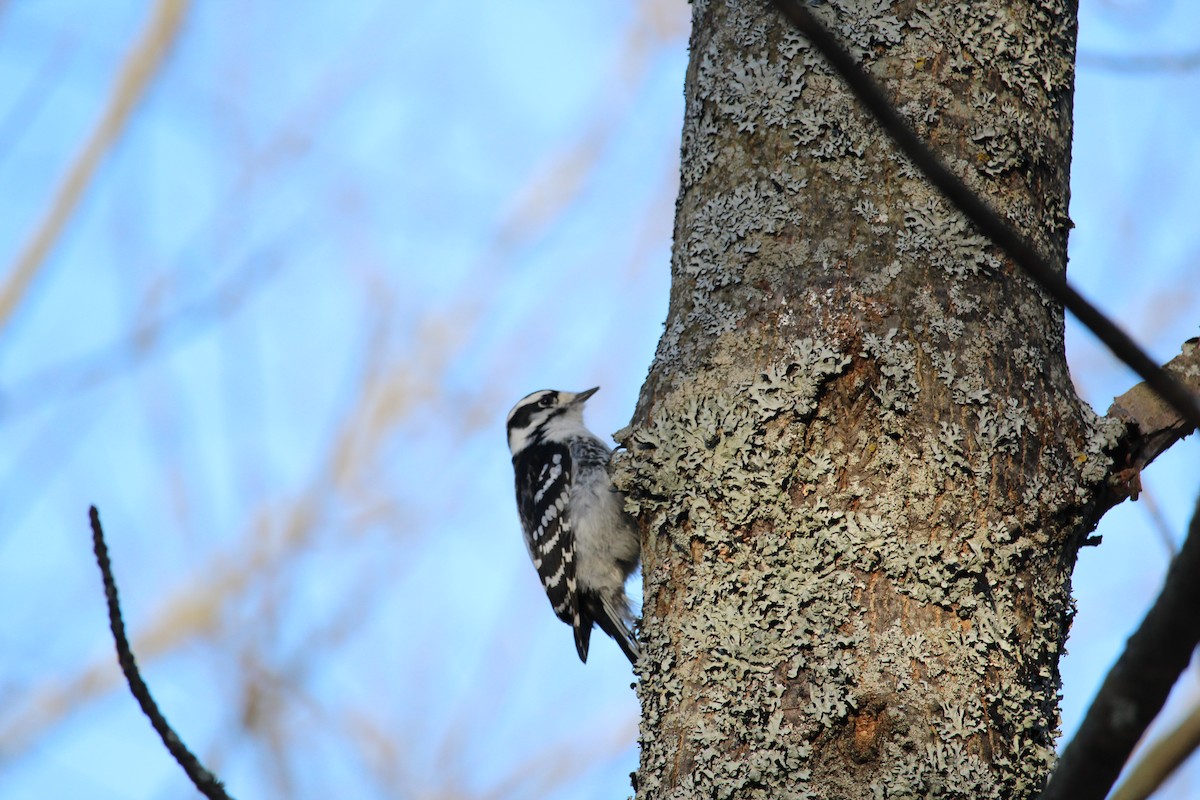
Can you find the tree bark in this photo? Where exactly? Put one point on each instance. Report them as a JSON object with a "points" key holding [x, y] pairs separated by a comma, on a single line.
{"points": [[860, 466]]}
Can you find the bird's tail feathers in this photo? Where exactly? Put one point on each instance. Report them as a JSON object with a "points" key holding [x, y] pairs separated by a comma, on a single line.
{"points": [[614, 618], [583, 635]]}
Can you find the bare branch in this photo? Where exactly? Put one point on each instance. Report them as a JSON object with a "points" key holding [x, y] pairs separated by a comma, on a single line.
{"points": [[140, 67], [1153, 425], [1140, 64], [1138, 684], [205, 781], [985, 219], [1161, 759], [71, 378], [33, 97], [1158, 521]]}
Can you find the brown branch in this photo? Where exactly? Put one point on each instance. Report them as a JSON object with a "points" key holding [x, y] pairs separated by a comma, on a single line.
{"points": [[1003, 235], [73, 377], [139, 68], [1138, 684], [1140, 63], [204, 781], [1161, 759], [1152, 425]]}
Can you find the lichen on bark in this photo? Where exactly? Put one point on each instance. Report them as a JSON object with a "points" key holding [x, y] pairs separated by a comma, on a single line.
{"points": [[859, 464]]}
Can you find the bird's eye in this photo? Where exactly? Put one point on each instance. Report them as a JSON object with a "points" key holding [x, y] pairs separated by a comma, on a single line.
{"points": [[546, 401]]}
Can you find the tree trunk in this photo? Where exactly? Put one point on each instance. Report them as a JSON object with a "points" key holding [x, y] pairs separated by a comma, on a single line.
{"points": [[861, 468]]}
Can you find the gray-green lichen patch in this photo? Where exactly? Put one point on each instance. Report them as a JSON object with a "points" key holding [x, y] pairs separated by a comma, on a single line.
{"points": [[897, 388], [944, 239], [1093, 458], [762, 106], [773, 615], [858, 461]]}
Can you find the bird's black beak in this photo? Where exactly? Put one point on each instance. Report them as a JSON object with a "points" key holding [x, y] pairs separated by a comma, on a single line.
{"points": [[579, 398]]}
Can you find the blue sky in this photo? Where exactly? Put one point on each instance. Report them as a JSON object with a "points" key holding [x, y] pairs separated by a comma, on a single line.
{"points": [[276, 340]]}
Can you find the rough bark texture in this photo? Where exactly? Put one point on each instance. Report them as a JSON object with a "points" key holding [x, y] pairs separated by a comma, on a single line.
{"points": [[860, 465]]}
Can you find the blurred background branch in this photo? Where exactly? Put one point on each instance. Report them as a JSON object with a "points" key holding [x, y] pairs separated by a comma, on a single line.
{"points": [[1161, 758], [276, 340], [275, 336], [1139, 63], [144, 61]]}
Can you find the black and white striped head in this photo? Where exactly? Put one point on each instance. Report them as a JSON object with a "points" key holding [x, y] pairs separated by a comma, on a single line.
{"points": [[546, 416]]}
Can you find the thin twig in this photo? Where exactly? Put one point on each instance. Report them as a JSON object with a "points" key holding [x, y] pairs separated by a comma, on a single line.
{"points": [[71, 378], [139, 69], [1140, 63], [205, 781], [1158, 521], [1138, 684], [985, 219], [1161, 759]]}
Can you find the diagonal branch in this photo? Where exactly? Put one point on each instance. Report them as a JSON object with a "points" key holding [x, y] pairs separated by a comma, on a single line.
{"points": [[205, 781], [1138, 684], [1161, 759], [1151, 425], [985, 219], [139, 69], [1140, 63], [69, 379]]}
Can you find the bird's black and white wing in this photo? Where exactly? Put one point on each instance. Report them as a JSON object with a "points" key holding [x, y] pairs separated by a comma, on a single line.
{"points": [[544, 479]]}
